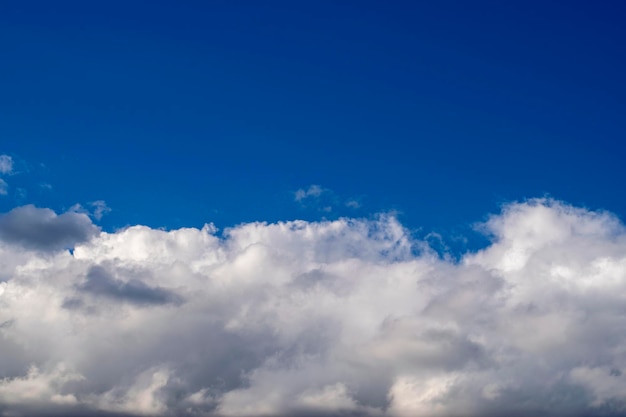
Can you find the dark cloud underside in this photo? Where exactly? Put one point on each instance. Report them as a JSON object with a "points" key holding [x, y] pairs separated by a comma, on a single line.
{"points": [[42, 229]]}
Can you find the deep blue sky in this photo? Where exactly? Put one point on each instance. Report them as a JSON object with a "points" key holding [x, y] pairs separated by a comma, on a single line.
{"points": [[181, 113]]}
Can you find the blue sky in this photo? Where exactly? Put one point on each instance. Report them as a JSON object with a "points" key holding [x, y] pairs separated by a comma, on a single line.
{"points": [[177, 115], [418, 208]]}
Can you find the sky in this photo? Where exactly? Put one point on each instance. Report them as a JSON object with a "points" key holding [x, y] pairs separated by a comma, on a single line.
{"points": [[242, 208]]}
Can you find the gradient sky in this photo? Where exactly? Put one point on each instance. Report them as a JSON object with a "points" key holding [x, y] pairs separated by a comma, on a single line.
{"points": [[312, 208], [177, 115]]}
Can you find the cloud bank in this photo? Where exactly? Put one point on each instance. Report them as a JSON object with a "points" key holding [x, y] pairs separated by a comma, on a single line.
{"points": [[348, 317]]}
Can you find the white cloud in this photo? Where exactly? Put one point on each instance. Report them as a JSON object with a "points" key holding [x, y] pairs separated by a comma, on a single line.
{"points": [[37, 387], [4, 187], [6, 164], [316, 318]]}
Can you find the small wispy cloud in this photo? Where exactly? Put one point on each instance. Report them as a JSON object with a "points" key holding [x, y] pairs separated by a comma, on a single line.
{"points": [[13, 167], [314, 191], [6, 164], [6, 167], [100, 208], [324, 199]]}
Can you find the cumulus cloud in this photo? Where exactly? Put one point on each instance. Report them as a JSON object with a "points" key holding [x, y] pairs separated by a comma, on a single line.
{"points": [[43, 229], [6, 164], [346, 317]]}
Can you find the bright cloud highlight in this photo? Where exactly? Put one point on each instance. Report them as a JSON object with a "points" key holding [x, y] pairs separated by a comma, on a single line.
{"points": [[345, 317]]}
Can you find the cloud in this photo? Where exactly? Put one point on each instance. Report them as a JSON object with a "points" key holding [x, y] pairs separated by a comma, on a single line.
{"points": [[6, 167], [323, 199], [6, 164], [314, 191], [345, 317], [100, 208], [100, 282], [42, 229]]}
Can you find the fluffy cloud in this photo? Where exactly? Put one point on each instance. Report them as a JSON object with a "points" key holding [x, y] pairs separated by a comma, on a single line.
{"points": [[345, 317]]}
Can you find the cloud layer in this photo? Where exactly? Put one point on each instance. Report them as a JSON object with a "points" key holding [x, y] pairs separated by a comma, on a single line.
{"points": [[346, 317]]}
